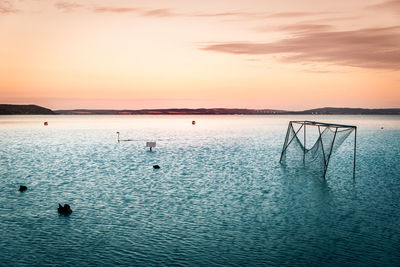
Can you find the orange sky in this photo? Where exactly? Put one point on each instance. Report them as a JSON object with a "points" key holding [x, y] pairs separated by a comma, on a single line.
{"points": [[160, 54]]}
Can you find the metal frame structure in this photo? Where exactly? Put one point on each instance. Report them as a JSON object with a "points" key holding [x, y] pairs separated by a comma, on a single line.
{"points": [[319, 124]]}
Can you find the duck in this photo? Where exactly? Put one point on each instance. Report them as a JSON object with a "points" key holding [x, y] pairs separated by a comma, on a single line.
{"points": [[66, 210], [22, 188]]}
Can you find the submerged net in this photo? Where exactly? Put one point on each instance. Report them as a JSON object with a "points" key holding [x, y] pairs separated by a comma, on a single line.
{"points": [[317, 157]]}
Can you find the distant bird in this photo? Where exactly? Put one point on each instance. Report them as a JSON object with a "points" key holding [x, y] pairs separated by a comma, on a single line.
{"points": [[156, 166], [382, 128], [22, 188], [66, 210]]}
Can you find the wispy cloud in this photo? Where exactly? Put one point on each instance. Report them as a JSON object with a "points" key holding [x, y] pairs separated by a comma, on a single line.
{"points": [[391, 5], [6, 7], [367, 48], [67, 6], [293, 14], [110, 9], [232, 14], [296, 28], [168, 12], [161, 12], [224, 14], [261, 15]]}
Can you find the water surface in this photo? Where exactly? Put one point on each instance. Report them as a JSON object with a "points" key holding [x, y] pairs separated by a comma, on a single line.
{"points": [[220, 198]]}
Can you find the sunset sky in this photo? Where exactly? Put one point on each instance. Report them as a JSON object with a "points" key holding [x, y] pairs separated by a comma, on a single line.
{"points": [[126, 54]]}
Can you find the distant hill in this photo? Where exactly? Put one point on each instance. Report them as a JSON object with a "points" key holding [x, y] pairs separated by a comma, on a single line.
{"points": [[227, 111], [6, 109], [351, 111], [172, 111]]}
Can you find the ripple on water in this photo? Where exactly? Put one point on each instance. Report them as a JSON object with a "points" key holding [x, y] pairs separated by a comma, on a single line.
{"points": [[219, 198]]}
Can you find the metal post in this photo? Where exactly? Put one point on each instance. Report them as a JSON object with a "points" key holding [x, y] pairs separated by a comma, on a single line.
{"points": [[295, 135], [355, 149], [304, 148], [286, 138], [322, 146], [330, 153]]}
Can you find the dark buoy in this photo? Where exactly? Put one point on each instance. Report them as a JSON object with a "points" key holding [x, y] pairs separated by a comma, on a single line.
{"points": [[22, 188], [156, 166], [66, 210], [46, 123], [193, 122]]}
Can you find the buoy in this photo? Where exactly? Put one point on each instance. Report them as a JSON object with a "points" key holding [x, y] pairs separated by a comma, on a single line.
{"points": [[22, 188], [156, 166], [46, 123], [66, 210], [193, 122]]}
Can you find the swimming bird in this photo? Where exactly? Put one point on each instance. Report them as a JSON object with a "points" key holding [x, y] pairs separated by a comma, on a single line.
{"points": [[156, 166], [66, 210], [22, 188]]}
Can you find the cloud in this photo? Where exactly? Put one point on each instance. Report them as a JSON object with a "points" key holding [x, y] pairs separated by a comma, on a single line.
{"points": [[293, 14], [161, 12], [391, 5], [245, 15], [366, 48], [222, 14], [67, 6], [6, 7], [305, 27], [259, 15], [296, 28], [168, 12], [109, 9]]}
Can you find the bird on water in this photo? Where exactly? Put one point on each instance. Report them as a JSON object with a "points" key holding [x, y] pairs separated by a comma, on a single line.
{"points": [[66, 210]]}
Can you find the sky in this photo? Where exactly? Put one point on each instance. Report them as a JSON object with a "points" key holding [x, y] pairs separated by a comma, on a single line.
{"points": [[261, 54]]}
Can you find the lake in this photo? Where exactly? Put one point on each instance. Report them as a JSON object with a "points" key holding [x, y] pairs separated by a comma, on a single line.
{"points": [[220, 198]]}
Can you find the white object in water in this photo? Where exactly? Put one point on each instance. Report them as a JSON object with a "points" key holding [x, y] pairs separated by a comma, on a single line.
{"points": [[123, 139], [151, 145]]}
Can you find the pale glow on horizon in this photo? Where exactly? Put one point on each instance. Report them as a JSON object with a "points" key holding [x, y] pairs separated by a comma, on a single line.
{"points": [[164, 54]]}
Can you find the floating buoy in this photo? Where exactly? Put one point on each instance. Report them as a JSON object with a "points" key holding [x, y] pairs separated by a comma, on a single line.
{"points": [[46, 123], [22, 188], [193, 122], [156, 166]]}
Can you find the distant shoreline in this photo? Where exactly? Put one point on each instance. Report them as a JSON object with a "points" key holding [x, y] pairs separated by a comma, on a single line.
{"points": [[7, 109]]}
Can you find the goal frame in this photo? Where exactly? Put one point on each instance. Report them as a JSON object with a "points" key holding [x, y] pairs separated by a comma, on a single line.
{"points": [[304, 124]]}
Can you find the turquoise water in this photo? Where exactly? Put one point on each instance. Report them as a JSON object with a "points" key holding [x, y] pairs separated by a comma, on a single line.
{"points": [[220, 198]]}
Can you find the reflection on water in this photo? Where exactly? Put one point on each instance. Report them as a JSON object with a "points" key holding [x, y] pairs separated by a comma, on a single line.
{"points": [[219, 198]]}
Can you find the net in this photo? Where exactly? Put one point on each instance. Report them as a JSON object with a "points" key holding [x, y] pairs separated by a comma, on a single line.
{"points": [[316, 158]]}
